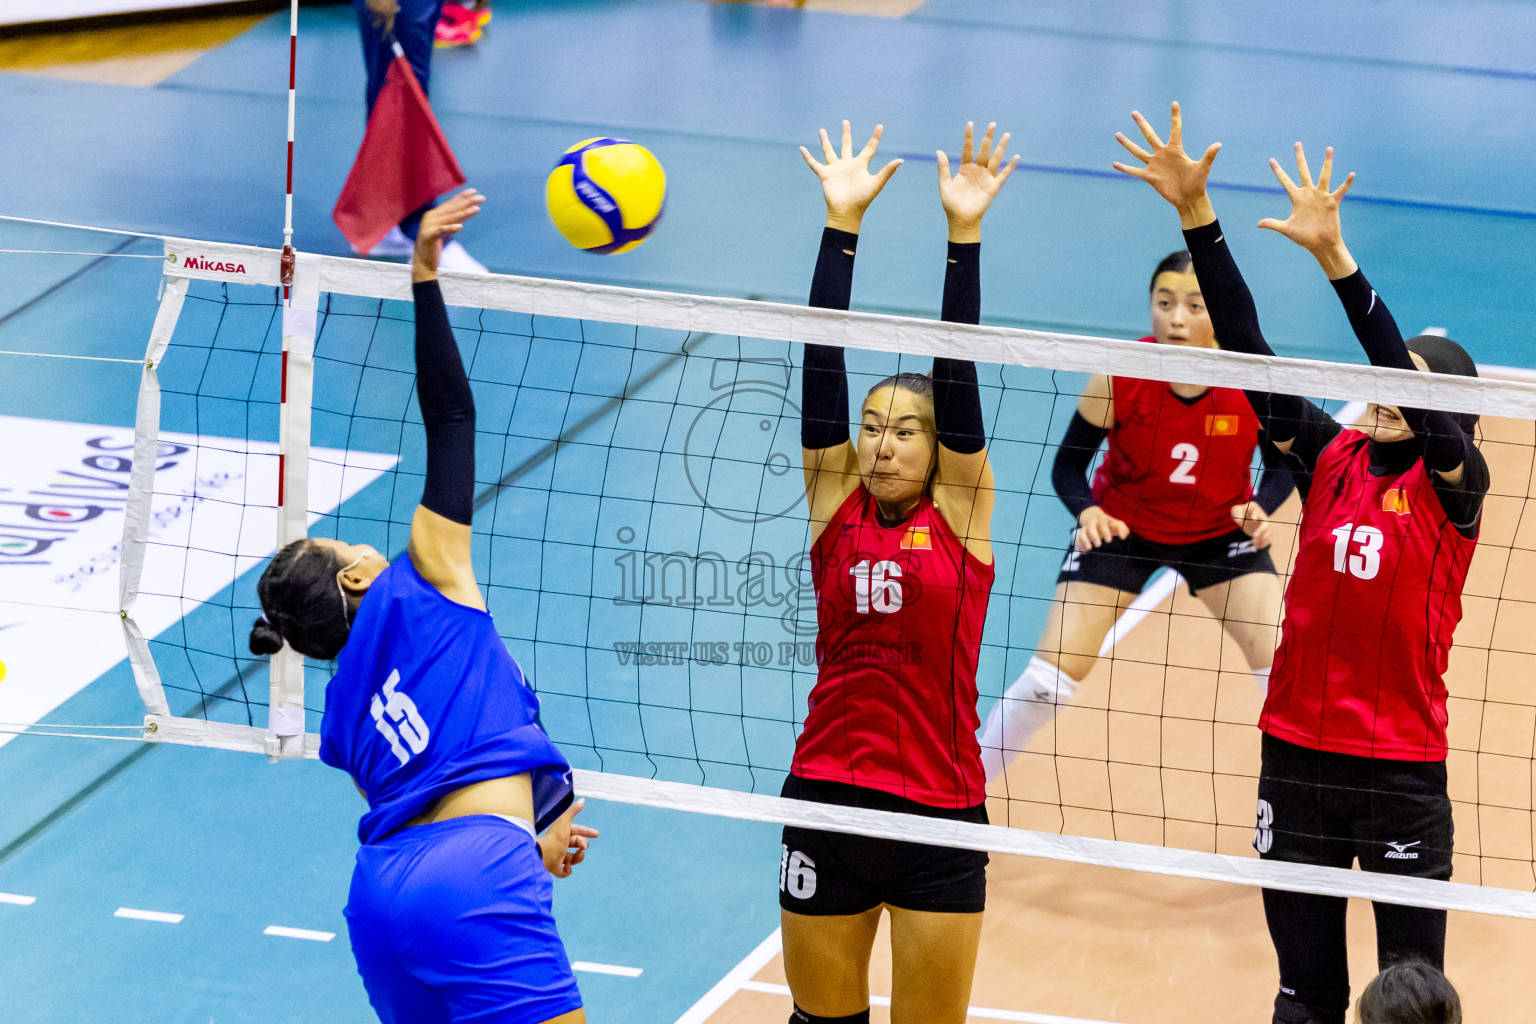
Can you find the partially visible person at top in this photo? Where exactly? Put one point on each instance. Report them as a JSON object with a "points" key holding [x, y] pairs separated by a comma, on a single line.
{"points": [[1409, 992], [413, 24]]}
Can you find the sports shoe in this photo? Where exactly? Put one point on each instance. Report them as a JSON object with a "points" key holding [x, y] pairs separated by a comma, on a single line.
{"points": [[456, 257], [393, 244], [461, 24]]}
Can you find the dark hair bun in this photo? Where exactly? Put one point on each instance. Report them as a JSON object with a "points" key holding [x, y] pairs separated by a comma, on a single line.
{"points": [[265, 639]]}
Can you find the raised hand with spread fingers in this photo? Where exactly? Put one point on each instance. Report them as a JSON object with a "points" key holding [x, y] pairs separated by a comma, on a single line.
{"points": [[846, 183], [1170, 170], [969, 193], [1314, 221]]}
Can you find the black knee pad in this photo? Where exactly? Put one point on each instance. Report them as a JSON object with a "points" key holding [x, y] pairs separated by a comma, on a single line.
{"points": [[1289, 1011], [801, 1017]]}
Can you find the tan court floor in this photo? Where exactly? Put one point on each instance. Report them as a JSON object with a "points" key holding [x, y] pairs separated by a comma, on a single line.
{"points": [[1168, 754]]}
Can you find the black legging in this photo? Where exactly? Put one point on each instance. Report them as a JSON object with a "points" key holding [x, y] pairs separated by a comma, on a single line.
{"points": [[1309, 937], [1318, 807]]}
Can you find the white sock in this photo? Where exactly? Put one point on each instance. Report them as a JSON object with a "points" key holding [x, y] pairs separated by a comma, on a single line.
{"points": [[395, 243], [1027, 705], [1262, 675], [456, 257]]}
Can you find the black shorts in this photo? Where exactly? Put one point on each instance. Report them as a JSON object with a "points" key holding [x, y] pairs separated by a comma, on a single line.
{"points": [[1317, 807], [1127, 563], [823, 873]]}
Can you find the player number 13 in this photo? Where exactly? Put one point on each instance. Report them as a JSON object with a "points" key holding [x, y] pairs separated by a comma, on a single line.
{"points": [[1363, 563]]}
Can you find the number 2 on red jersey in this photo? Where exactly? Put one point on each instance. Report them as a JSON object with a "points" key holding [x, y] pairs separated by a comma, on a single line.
{"points": [[1187, 455]]}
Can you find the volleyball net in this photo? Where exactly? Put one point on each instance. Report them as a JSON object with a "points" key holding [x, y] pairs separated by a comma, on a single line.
{"points": [[641, 538]]}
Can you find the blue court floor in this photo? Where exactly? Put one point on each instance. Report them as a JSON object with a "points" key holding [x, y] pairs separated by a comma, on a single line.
{"points": [[1429, 102]]}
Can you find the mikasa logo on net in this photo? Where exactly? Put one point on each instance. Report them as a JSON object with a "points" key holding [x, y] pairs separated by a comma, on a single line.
{"points": [[204, 263]]}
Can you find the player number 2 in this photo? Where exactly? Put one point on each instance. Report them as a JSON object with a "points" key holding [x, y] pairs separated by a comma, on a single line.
{"points": [[1364, 563], [396, 718], [877, 586], [1188, 455]]}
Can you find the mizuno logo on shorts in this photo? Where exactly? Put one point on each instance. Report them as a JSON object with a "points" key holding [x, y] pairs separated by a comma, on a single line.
{"points": [[1239, 548], [1403, 851]]}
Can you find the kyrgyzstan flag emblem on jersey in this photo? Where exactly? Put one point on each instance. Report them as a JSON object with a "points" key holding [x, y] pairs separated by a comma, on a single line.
{"points": [[1395, 499], [917, 539], [1222, 424]]}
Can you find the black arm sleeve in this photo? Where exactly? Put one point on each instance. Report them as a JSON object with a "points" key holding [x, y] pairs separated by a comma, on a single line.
{"points": [[1446, 444], [956, 395], [447, 409], [1069, 473], [1277, 483], [1236, 321], [1463, 501], [824, 380]]}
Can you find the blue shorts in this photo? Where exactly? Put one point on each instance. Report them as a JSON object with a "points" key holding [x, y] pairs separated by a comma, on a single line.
{"points": [[451, 922]]}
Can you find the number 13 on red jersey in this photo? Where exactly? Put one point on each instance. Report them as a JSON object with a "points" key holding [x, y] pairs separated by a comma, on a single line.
{"points": [[1364, 562]]}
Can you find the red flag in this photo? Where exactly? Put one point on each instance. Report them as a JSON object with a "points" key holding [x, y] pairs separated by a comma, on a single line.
{"points": [[403, 164]]}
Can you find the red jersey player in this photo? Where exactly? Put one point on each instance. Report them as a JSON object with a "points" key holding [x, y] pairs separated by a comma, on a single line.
{"points": [[1174, 491], [1354, 741], [902, 563]]}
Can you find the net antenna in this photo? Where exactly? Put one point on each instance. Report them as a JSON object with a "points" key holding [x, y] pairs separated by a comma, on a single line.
{"points": [[301, 301]]}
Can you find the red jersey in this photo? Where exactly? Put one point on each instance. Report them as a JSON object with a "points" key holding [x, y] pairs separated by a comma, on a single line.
{"points": [[1370, 612], [899, 613], [1175, 468]]}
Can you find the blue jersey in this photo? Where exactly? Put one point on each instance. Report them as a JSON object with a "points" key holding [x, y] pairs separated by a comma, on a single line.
{"points": [[426, 699]]}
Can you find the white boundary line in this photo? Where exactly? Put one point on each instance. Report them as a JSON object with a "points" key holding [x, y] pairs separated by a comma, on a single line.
{"points": [[976, 1012], [15, 900], [734, 981], [588, 967], [298, 933], [149, 915]]}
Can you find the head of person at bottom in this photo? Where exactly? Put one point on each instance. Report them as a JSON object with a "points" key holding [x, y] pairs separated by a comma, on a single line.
{"points": [[1410, 992], [310, 593], [1431, 354], [1179, 316], [898, 442]]}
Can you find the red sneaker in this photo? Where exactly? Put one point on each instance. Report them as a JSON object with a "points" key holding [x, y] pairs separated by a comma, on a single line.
{"points": [[461, 24]]}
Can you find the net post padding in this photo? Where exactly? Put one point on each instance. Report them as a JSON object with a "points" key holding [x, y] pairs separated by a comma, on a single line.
{"points": [[194, 732], [877, 331], [141, 486], [285, 708]]}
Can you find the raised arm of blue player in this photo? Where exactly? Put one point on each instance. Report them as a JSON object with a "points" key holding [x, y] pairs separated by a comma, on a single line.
{"points": [[440, 530]]}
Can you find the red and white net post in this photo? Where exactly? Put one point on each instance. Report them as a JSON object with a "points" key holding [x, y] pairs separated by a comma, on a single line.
{"points": [[301, 301]]}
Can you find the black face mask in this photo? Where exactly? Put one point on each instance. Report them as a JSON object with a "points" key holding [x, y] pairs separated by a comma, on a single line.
{"points": [[1442, 355]]}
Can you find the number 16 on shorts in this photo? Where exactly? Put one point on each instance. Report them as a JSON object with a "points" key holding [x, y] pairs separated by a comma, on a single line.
{"points": [[797, 874]]}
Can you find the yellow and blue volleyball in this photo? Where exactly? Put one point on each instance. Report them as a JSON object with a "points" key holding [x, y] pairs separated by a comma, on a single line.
{"points": [[606, 195]]}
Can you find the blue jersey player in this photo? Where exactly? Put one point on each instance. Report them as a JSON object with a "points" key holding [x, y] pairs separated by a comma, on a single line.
{"points": [[469, 802]]}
